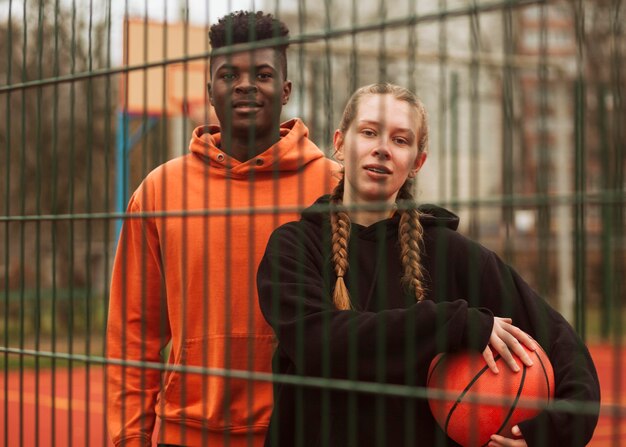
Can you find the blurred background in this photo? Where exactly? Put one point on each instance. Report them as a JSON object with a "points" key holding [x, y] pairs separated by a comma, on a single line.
{"points": [[527, 118]]}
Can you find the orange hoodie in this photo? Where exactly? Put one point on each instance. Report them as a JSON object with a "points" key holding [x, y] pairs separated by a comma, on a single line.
{"points": [[185, 273]]}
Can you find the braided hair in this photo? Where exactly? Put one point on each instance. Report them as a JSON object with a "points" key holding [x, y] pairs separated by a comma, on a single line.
{"points": [[410, 230], [340, 225], [410, 235]]}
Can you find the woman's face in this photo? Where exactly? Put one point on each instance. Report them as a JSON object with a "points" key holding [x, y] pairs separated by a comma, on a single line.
{"points": [[379, 149]]}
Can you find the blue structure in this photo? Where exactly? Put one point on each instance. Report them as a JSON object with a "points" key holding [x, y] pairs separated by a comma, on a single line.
{"points": [[125, 142]]}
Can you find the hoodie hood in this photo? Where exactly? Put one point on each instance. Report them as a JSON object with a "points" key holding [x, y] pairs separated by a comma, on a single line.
{"points": [[290, 153], [432, 215]]}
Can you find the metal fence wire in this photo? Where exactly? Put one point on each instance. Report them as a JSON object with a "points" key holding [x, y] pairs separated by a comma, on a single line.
{"points": [[133, 228]]}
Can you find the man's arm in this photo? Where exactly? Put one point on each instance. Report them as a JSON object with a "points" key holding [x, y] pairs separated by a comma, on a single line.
{"points": [[137, 329]]}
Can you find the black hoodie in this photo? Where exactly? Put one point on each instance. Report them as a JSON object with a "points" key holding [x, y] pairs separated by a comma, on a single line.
{"points": [[391, 339]]}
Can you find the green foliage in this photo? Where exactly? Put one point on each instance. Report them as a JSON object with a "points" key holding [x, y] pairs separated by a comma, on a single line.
{"points": [[56, 146], [47, 314]]}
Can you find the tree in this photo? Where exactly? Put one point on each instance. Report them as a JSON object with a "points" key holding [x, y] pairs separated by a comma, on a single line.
{"points": [[56, 149]]}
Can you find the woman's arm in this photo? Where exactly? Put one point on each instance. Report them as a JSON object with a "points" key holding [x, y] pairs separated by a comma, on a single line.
{"points": [[321, 340], [576, 380]]}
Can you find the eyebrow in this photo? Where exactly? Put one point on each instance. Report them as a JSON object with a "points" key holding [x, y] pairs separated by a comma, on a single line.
{"points": [[260, 67]]}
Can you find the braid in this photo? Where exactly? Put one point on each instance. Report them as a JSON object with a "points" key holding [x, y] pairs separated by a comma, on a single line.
{"points": [[340, 229], [410, 232], [410, 236]]}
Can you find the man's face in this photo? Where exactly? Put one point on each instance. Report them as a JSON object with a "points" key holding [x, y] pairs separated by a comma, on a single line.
{"points": [[248, 91]]}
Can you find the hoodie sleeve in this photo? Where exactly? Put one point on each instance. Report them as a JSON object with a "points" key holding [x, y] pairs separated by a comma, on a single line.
{"points": [[320, 340], [135, 304], [576, 381]]}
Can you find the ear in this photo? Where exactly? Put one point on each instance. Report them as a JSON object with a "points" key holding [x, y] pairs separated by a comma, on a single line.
{"points": [[417, 165], [338, 143], [286, 91], [208, 89]]}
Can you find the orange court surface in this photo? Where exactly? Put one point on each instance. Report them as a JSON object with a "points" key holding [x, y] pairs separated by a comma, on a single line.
{"points": [[71, 404]]}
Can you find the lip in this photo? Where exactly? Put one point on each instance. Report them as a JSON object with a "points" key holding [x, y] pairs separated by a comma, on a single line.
{"points": [[377, 170], [246, 105]]}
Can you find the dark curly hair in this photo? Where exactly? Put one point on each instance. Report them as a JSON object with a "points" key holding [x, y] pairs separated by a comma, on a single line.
{"points": [[248, 26]]}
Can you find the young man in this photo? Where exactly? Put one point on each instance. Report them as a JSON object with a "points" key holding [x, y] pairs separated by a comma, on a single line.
{"points": [[184, 272]]}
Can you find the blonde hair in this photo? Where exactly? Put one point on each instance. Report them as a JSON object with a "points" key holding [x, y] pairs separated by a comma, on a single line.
{"points": [[410, 231]]}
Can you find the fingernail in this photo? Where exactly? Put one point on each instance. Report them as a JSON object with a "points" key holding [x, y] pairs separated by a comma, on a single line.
{"points": [[529, 361]]}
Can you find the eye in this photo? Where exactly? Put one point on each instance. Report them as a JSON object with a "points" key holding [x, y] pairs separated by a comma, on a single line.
{"points": [[368, 132], [401, 141], [264, 76], [228, 76]]}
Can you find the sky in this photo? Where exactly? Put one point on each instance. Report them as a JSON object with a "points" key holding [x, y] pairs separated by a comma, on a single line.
{"points": [[201, 12]]}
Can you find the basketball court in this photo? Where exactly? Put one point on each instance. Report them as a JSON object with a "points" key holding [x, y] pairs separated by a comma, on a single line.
{"points": [[71, 413]]}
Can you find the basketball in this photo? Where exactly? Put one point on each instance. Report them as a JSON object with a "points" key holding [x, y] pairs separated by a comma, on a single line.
{"points": [[468, 420]]}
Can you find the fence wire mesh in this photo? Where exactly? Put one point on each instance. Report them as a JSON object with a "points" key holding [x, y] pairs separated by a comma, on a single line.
{"points": [[129, 256]]}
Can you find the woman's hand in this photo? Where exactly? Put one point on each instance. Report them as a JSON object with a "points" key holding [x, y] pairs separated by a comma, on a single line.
{"points": [[507, 340], [501, 441]]}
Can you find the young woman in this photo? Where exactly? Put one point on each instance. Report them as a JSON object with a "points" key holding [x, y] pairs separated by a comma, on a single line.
{"points": [[368, 287]]}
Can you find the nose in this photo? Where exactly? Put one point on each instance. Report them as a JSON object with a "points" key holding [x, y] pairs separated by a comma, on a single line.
{"points": [[381, 150], [245, 85]]}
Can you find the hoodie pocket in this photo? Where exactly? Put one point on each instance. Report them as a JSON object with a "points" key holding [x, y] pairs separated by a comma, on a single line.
{"points": [[208, 399]]}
